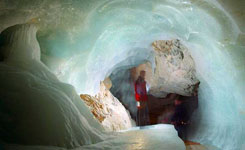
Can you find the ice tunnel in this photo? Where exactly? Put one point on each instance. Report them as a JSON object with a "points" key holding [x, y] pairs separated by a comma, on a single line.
{"points": [[51, 51]]}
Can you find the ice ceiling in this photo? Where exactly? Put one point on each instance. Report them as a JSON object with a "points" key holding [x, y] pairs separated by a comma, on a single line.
{"points": [[82, 42]]}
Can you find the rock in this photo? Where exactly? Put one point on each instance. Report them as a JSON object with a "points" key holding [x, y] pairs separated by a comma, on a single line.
{"points": [[194, 146], [174, 72], [95, 107], [108, 110], [107, 82]]}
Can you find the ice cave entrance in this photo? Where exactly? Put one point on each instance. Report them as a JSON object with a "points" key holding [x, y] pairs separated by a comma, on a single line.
{"points": [[81, 43], [172, 78]]}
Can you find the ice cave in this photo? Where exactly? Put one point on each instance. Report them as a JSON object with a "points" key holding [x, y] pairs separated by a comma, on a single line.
{"points": [[67, 67]]}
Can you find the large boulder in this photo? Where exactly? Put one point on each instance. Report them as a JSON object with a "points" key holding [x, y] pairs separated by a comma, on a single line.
{"points": [[174, 70], [107, 109]]}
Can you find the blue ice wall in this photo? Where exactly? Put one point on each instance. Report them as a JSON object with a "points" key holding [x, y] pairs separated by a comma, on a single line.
{"points": [[117, 34], [82, 42]]}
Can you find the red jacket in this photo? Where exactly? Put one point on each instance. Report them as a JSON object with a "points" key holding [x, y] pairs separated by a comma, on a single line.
{"points": [[140, 90]]}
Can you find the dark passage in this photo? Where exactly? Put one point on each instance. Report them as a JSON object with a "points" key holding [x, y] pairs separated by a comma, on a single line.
{"points": [[174, 109], [147, 109]]}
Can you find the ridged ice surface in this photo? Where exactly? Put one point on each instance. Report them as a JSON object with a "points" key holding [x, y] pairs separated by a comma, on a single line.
{"points": [[36, 108], [82, 42], [40, 112]]}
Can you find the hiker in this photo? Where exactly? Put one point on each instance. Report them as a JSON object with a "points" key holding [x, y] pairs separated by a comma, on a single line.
{"points": [[142, 117]]}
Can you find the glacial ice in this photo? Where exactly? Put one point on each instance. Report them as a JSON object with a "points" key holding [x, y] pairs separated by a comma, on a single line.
{"points": [[35, 101], [82, 42], [153, 137], [40, 110]]}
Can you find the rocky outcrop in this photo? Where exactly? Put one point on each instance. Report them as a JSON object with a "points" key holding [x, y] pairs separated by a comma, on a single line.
{"points": [[107, 82], [174, 71], [95, 107], [107, 109]]}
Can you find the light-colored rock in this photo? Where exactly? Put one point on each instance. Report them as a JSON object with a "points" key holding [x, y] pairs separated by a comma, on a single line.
{"points": [[196, 147], [107, 82], [174, 71], [108, 110]]}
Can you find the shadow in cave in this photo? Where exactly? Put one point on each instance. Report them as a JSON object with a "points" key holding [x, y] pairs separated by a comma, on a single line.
{"points": [[173, 71], [166, 110], [173, 109]]}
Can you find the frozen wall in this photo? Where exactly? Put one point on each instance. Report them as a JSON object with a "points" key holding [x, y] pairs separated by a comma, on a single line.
{"points": [[36, 108], [82, 42], [40, 112]]}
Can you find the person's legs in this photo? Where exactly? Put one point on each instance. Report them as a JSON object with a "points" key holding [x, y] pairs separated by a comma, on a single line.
{"points": [[144, 115], [184, 132], [147, 118], [181, 129], [138, 117], [178, 129]]}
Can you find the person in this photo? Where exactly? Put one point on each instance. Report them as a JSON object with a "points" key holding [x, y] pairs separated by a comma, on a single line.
{"points": [[184, 107], [180, 118], [141, 98]]}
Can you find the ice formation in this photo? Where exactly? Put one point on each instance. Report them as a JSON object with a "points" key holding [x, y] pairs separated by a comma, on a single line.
{"points": [[34, 102], [38, 109], [82, 42]]}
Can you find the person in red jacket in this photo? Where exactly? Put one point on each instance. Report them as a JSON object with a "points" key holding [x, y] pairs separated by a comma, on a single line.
{"points": [[142, 117]]}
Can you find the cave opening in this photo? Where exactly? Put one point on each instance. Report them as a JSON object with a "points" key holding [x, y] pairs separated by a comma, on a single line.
{"points": [[176, 84], [162, 110], [82, 42]]}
